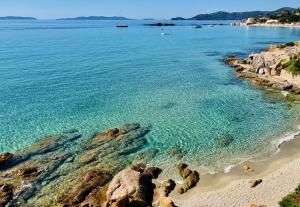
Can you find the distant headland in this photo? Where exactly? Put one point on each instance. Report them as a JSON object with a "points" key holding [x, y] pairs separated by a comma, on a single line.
{"points": [[95, 18], [221, 15], [17, 18]]}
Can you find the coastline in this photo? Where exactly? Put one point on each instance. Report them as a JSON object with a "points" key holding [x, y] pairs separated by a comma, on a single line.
{"points": [[296, 26], [278, 171], [276, 174]]}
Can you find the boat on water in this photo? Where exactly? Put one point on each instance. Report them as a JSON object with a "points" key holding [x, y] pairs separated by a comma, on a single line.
{"points": [[197, 26], [122, 26]]}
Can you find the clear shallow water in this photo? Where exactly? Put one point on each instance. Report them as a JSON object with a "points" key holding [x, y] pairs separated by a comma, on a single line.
{"points": [[56, 75]]}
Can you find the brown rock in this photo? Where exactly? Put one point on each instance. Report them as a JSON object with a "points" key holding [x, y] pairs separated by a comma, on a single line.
{"points": [[162, 191], [152, 172], [6, 194], [183, 170], [90, 181], [191, 178], [4, 158], [166, 202], [30, 172], [132, 186], [248, 169], [255, 183]]}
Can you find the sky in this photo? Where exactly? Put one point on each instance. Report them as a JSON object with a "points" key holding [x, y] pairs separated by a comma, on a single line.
{"points": [[136, 9]]}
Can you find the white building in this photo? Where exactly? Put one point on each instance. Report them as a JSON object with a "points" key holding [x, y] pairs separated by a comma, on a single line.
{"points": [[272, 21]]}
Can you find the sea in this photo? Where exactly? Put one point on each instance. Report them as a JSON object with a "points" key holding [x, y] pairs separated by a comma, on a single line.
{"points": [[92, 76]]}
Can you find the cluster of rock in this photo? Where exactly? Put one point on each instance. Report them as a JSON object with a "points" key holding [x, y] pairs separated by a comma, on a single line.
{"points": [[97, 171], [68, 169], [267, 68]]}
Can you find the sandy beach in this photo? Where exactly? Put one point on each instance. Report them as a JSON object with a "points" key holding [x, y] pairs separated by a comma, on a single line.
{"points": [[279, 173]]}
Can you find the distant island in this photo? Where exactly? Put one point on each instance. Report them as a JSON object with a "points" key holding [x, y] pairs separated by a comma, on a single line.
{"points": [[96, 18], [221, 15], [17, 18]]}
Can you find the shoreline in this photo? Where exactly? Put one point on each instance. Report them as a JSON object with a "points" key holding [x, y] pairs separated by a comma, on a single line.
{"points": [[296, 26], [277, 173], [230, 186]]}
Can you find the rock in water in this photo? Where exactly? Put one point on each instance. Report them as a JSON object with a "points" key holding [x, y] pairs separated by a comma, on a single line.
{"points": [[6, 194], [225, 140], [6, 157], [191, 178], [69, 170]]}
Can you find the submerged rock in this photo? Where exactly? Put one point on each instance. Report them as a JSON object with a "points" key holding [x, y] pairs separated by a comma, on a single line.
{"points": [[5, 158], [225, 140], [6, 194], [68, 169]]}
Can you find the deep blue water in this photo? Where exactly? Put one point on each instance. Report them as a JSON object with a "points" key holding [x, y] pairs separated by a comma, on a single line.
{"points": [[90, 75]]}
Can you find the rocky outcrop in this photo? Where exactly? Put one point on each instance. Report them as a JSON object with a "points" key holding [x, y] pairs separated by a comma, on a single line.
{"points": [[191, 178], [268, 68], [69, 169]]}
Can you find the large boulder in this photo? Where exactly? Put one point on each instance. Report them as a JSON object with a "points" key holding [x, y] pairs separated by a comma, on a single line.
{"points": [[132, 187]]}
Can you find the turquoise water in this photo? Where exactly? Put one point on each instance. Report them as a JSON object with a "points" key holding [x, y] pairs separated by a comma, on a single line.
{"points": [[57, 75]]}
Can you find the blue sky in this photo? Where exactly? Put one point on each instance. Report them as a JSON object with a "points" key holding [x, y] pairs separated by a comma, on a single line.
{"points": [[50, 9]]}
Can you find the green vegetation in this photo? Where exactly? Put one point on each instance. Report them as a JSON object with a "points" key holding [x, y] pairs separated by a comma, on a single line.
{"points": [[290, 44], [287, 16], [291, 200], [293, 66]]}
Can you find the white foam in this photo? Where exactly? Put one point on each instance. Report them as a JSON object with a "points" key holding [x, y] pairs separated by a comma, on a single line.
{"points": [[228, 168], [285, 93], [288, 137]]}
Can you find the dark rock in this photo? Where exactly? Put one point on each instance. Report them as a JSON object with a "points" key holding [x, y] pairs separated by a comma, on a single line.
{"points": [[152, 172], [225, 140], [175, 152], [6, 194], [6, 157], [160, 24], [255, 183]]}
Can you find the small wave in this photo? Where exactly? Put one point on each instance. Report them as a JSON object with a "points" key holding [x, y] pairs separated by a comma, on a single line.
{"points": [[285, 93], [288, 137], [228, 168]]}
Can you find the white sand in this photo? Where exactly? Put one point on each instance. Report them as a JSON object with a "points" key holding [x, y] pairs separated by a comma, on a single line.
{"points": [[238, 193]]}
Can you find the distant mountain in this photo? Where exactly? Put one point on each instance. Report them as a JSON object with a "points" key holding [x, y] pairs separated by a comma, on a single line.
{"points": [[221, 15], [17, 18], [95, 18]]}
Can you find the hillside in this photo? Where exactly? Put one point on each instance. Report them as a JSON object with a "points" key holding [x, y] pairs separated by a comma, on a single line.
{"points": [[221, 15]]}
